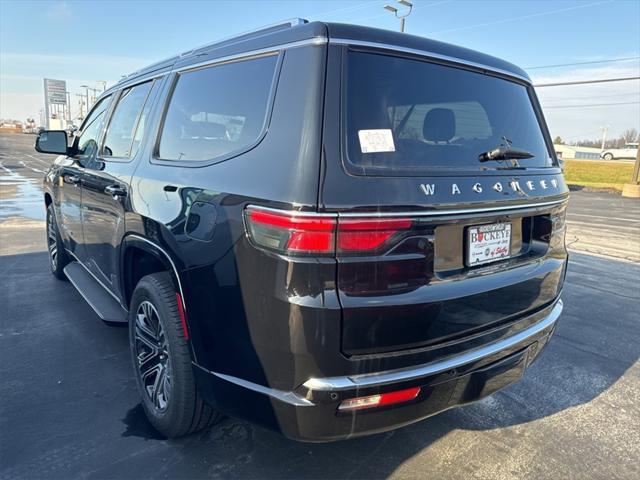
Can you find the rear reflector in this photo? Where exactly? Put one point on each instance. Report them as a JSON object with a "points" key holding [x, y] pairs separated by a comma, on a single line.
{"points": [[296, 233], [183, 320], [379, 400]]}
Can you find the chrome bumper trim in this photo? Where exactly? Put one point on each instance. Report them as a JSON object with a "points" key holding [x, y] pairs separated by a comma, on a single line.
{"points": [[335, 384], [286, 397]]}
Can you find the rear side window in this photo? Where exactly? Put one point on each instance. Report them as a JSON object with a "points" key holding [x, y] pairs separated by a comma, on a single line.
{"points": [[217, 111], [126, 119], [408, 117]]}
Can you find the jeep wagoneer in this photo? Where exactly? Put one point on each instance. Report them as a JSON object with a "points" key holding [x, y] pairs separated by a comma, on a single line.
{"points": [[330, 230]]}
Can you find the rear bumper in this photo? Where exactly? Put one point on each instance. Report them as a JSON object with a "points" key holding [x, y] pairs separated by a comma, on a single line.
{"points": [[310, 413]]}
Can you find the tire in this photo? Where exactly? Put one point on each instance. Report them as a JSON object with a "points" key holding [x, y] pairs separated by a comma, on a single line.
{"points": [[162, 360], [608, 156], [58, 257]]}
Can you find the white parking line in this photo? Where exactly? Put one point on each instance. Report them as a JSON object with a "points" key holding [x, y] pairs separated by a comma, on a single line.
{"points": [[610, 227], [45, 163], [31, 168], [623, 219]]}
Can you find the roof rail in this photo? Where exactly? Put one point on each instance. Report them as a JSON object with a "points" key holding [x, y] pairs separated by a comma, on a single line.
{"points": [[293, 22]]}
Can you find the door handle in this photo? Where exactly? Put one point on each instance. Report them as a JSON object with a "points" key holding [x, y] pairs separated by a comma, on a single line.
{"points": [[72, 179], [115, 190]]}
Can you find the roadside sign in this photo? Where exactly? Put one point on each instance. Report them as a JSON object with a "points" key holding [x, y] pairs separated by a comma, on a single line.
{"points": [[55, 91]]}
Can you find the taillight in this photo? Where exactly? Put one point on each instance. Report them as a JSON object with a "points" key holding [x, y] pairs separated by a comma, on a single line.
{"points": [[291, 233], [361, 235], [296, 233], [380, 400]]}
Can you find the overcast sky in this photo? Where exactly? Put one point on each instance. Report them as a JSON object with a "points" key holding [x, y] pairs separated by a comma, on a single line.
{"points": [[83, 42]]}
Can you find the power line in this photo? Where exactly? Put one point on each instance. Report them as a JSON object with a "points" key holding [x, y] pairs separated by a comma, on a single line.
{"points": [[522, 17], [350, 8], [583, 82], [626, 59], [599, 96], [591, 105]]}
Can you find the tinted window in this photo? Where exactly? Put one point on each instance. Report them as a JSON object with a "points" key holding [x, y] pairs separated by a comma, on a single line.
{"points": [[88, 139], [218, 110], [122, 127], [427, 116]]}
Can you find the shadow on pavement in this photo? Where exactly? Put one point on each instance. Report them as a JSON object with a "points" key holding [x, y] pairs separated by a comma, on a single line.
{"points": [[70, 405]]}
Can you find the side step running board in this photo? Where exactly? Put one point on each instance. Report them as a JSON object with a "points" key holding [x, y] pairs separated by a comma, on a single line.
{"points": [[107, 307]]}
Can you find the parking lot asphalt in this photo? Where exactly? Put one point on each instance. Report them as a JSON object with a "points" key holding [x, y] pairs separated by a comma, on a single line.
{"points": [[69, 406]]}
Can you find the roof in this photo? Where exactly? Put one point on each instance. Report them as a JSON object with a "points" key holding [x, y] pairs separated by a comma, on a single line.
{"points": [[414, 42], [298, 30]]}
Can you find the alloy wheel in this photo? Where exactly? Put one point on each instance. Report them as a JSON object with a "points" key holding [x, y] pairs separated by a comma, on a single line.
{"points": [[152, 355], [52, 240]]}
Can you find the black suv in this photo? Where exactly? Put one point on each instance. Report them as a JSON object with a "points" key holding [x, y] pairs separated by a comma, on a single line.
{"points": [[327, 229]]}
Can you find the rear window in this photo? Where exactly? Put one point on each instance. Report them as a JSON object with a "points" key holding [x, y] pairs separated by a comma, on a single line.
{"points": [[217, 111], [407, 117]]}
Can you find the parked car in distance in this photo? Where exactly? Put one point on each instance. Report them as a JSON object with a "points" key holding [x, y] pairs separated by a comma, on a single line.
{"points": [[329, 230], [630, 150]]}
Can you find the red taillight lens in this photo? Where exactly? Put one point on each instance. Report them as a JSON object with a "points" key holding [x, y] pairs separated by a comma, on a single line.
{"points": [[368, 234], [291, 233], [316, 234], [372, 401]]}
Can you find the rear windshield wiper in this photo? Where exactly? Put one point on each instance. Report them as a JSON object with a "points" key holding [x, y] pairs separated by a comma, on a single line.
{"points": [[504, 153]]}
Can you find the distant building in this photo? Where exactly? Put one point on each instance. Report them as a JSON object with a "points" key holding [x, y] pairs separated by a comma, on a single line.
{"points": [[569, 151], [10, 126]]}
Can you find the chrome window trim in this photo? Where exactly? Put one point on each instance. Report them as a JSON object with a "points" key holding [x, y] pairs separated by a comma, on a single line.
{"points": [[460, 211], [426, 54], [411, 213], [251, 53], [126, 82], [384, 378], [267, 115]]}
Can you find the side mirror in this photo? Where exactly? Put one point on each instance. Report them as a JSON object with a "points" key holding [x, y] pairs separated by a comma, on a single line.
{"points": [[52, 141]]}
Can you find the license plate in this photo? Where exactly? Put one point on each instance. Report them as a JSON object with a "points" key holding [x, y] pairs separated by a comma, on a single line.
{"points": [[488, 243]]}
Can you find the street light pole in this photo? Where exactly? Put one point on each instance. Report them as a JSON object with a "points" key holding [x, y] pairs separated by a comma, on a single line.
{"points": [[86, 94], [81, 105], [396, 12], [604, 135], [94, 91]]}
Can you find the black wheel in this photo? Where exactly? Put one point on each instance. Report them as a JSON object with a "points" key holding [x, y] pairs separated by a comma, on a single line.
{"points": [[608, 156], [58, 257], [162, 361]]}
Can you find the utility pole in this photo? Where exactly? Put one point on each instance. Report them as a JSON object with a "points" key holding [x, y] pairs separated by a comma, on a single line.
{"points": [[80, 104], [604, 129], [68, 108], [103, 83], [395, 11], [86, 94], [94, 91]]}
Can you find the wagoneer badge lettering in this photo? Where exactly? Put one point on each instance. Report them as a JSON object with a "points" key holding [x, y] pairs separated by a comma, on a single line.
{"points": [[430, 188]]}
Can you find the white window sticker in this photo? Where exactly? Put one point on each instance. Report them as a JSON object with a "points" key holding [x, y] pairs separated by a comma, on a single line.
{"points": [[380, 140]]}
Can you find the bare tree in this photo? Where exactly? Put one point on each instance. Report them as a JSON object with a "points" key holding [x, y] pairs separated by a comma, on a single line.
{"points": [[630, 135]]}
